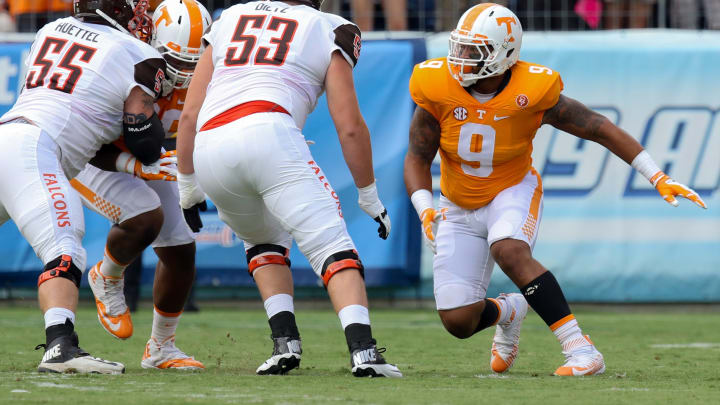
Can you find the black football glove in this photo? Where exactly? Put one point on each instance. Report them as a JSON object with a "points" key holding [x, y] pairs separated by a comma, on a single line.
{"points": [[192, 216], [384, 220]]}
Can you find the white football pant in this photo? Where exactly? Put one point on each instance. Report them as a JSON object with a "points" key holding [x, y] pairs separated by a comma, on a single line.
{"points": [[267, 187], [37, 196], [463, 264]]}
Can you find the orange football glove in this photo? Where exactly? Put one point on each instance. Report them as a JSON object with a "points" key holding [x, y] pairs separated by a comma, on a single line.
{"points": [[430, 219], [668, 189], [164, 168]]}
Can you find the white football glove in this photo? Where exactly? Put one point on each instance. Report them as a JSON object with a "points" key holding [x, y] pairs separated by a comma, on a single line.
{"points": [[369, 201]]}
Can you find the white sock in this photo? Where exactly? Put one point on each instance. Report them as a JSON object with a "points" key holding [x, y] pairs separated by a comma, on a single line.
{"points": [[110, 267], [57, 316], [354, 314], [164, 325], [569, 334], [279, 303]]}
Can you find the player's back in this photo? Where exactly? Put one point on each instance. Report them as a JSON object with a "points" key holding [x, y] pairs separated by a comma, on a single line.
{"points": [[78, 78], [272, 51]]}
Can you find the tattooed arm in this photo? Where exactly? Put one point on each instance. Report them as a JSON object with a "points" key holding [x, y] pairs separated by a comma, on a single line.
{"points": [[575, 118], [139, 106], [424, 144]]}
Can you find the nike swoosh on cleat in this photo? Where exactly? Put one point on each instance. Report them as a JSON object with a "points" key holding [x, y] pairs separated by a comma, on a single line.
{"points": [[113, 326]]}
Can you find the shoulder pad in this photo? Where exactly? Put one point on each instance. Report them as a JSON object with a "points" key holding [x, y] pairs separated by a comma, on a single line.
{"points": [[534, 87]]}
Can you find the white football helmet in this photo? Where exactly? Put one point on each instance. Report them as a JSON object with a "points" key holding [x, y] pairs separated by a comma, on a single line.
{"points": [[485, 43], [179, 27]]}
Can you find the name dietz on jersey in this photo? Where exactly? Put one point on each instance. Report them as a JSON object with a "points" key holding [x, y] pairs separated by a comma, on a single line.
{"points": [[265, 7], [82, 33]]}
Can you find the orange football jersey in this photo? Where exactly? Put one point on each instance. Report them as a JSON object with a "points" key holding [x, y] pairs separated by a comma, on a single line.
{"points": [[484, 147], [168, 110]]}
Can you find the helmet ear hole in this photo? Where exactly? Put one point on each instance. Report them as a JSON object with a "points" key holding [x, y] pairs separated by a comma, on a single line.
{"points": [[510, 52]]}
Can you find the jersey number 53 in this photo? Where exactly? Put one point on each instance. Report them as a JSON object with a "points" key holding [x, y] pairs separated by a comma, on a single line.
{"points": [[249, 42]]}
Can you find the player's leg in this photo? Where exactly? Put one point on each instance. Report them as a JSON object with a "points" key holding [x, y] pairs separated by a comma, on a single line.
{"points": [[137, 218], [270, 268], [303, 202], [267, 246], [227, 165], [513, 220], [49, 214], [461, 275], [174, 277]]}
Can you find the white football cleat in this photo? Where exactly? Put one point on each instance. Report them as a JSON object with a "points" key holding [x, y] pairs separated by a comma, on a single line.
{"points": [[63, 355], [113, 313], [167, 356], [507, 335], [369, 362], [582, 358], [285, 356]]}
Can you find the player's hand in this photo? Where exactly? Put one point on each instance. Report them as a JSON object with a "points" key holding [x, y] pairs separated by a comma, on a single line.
{"points": [[164, 168], [669, 189], [192, 200], [369, 202], [430, 218]]}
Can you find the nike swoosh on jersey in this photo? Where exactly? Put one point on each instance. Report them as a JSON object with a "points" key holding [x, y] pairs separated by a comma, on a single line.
{"points": [[496, 118]]}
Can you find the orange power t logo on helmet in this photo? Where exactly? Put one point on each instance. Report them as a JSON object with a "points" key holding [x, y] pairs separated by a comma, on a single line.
{"points": [[164, 16], [508, 21]]}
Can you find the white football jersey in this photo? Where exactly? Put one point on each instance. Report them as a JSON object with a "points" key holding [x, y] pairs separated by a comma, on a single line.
{"points": [[274, 52], [79, 76]]}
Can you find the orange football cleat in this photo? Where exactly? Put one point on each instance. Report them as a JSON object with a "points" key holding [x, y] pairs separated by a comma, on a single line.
{"points": [[166, 356], [113, 313]]}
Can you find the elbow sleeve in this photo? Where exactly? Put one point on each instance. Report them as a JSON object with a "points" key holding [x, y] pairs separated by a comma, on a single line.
{"points": [[145, 140]]}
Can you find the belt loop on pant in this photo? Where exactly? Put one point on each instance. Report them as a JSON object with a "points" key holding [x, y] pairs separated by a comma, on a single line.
{"points": [[240, 111]]}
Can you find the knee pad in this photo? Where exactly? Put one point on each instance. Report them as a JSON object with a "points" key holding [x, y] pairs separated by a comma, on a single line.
{"points": [[256, 261], [61, 267], [347, 259]]}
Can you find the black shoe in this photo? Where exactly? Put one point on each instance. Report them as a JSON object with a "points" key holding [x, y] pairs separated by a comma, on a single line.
{"points": [[285, 356], [63, 355], [369, 362]]}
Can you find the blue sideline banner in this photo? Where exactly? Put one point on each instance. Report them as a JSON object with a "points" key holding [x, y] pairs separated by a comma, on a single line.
{"points": [[606, 233], [381, 79]]}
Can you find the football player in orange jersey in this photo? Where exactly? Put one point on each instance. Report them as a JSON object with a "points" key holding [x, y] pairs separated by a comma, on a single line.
{"points": [[143, 203], [480, 107]]}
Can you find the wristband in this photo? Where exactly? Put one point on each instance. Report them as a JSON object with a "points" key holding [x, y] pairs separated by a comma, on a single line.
{"points": [[422, 199], [123, 161], [644, 164], [368, 193]]}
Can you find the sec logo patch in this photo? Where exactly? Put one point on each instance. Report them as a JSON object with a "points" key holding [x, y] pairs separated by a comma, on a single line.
{"points": [[460, 113], [522, 100]]}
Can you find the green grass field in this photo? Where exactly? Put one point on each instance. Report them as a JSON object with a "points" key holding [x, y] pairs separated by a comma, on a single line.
{"points": [[644, 363]]}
